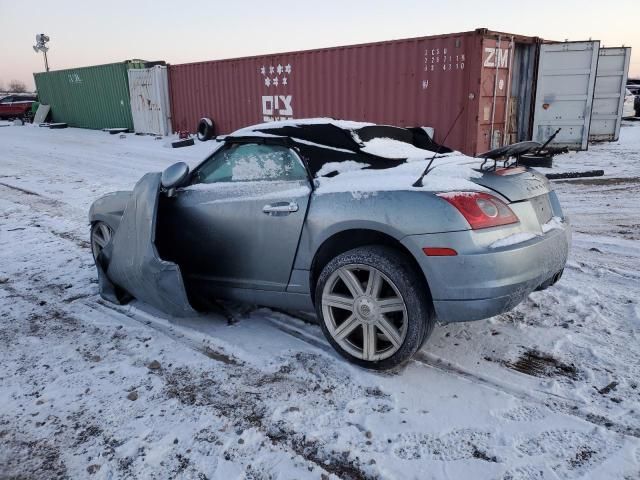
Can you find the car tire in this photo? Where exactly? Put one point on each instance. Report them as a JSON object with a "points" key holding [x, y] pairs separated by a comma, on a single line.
{"points": [[391, 307], [205, 129]]}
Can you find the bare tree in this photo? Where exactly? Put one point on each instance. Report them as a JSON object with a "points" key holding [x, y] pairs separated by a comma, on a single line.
{"points": [[2, 87], [16, 86]]}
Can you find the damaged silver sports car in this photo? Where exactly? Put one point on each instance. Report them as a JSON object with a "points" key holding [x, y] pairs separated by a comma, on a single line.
{"points": [[377, 229]]}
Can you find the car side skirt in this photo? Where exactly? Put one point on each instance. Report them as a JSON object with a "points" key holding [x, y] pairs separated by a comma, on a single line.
{"points": [[263, 298]]}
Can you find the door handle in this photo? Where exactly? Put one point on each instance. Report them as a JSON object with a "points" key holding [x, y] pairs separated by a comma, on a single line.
{"points": [[280, 208]]}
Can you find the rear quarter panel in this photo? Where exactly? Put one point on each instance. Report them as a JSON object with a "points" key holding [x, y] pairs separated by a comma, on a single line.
{"points": [[395, 213]]}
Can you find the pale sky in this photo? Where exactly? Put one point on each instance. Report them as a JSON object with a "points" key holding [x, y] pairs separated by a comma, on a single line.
{"points": [[89, 33]]}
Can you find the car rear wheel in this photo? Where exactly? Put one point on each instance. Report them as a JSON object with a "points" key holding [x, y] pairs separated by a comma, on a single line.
{"points": [[101, 235], [373, 307]]}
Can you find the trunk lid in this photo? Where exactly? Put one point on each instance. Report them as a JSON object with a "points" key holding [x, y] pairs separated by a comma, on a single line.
{"points": [[515, 184]]}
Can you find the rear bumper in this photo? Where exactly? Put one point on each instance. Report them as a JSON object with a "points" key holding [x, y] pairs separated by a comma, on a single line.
{"points": [[481, 282]]}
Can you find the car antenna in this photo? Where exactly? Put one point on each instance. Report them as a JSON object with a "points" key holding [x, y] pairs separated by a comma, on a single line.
{"points": [[549, 140], [418, 183]]}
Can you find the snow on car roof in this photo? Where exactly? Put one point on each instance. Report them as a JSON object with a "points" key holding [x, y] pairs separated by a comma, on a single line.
{"points": [[342, 124], [364, 157], [382, 141], [395, 149]]}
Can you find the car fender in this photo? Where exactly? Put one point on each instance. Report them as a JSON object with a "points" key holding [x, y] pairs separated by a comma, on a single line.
{"points": [[130, 262], [394, 213], [109, 208]]}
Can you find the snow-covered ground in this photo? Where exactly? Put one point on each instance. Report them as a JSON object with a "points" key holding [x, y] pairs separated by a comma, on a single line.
{"points": [[88, 390]]}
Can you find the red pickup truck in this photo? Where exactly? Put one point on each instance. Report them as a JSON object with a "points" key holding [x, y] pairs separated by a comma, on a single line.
{"points": [[16, 106]]}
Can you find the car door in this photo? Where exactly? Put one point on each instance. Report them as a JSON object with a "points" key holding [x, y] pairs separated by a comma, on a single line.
{"points": [[240, 220]]}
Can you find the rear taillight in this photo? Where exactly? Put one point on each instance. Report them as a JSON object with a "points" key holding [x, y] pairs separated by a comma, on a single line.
{"points": [[480, 209]]}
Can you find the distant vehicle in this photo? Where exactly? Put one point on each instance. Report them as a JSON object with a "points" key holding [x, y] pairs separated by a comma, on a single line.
{"points": [[635, 91], [629, 106], [16, 106], [342, 217]]}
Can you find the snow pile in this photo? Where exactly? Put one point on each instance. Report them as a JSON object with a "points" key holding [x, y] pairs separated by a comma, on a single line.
{"points": [[555, 222]]}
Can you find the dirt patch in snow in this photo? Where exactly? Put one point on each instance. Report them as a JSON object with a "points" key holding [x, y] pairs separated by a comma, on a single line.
{"points": [[23, 457], [537, 364], [245, 406]]}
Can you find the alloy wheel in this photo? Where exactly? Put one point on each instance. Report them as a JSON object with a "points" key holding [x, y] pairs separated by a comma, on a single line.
{"points": [[100, 237], [364, 312]]}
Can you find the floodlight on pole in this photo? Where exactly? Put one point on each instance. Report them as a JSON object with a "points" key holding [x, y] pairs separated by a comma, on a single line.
{"points": [[41, 46]]}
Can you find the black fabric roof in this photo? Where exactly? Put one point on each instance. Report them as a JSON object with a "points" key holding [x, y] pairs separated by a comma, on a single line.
{"points": [[327, 137]]}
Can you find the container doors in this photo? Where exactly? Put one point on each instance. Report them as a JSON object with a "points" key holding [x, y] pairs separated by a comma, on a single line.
{"points": [[522, 93], [608, 99], [564, 93], [149, 91]]}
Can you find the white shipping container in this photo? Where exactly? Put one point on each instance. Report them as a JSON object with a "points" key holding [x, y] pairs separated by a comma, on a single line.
{"points": [[608, 99], [564, 93], [150, 107]]}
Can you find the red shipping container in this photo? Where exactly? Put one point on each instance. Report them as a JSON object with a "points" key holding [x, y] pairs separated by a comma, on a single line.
{"points": [[483, 77]]}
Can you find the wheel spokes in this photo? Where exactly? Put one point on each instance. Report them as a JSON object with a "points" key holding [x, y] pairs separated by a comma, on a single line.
{"points": [[351, 281], [374, 284], [389, 331], [368, 341], [393, 304], [106, 233], [346, 327], [338, 301], [99, 240]]}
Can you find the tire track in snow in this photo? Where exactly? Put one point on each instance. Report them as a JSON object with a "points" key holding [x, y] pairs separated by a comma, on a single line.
{"points": [[286, 438], [153, 322], [549, 400]]}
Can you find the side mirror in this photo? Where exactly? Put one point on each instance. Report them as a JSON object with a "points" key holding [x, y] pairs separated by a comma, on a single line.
{"points": [[175, 175]]}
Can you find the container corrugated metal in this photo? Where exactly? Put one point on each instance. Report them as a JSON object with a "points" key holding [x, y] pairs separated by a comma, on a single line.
{"points": [[88, 97], [608, 97], [427, 81], [149, 93]]}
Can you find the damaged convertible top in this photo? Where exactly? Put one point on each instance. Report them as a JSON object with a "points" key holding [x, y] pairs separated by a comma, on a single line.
{"points": [[326, 140]]}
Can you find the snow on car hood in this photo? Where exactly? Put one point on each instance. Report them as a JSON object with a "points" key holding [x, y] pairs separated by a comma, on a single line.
{"points": [[449, 172]]}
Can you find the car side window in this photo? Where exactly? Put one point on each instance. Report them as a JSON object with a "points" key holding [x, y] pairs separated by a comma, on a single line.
{"points": [[6, 100], [252, 162]]}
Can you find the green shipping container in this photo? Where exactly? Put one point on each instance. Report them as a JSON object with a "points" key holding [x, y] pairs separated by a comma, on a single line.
{"points": [[89, 97]]}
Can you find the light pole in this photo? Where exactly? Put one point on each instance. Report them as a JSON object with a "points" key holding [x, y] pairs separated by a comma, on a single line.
{"points": [[41, 46]]}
